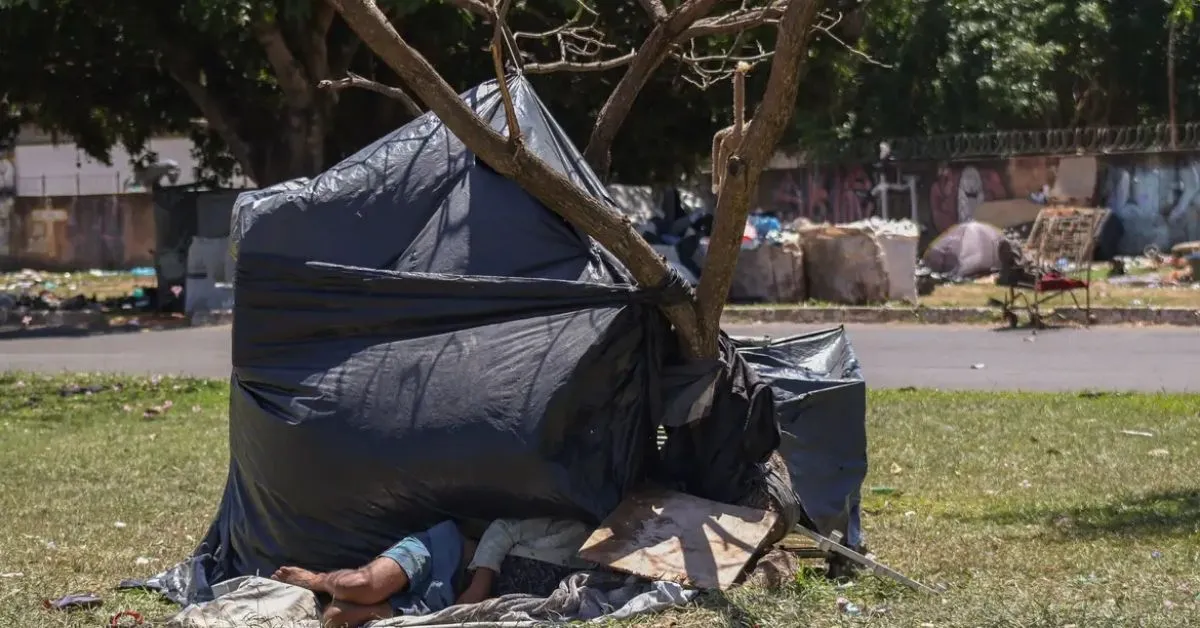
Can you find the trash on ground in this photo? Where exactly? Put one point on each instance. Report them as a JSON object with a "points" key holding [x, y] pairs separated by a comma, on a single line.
{"points": [[846, 606], [74, 602]]}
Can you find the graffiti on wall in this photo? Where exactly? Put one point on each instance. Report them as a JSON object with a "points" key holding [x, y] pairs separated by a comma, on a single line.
{"points": [[947, 193], [821, 194], [1156, 199], [958, 191]]}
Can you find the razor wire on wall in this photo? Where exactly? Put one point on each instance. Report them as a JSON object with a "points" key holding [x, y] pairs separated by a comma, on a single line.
{"points": [[999, 144]]}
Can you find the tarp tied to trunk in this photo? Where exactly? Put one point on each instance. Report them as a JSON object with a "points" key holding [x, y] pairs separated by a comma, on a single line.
{"points": [[417, 339], [821, 405], [381, 383]]}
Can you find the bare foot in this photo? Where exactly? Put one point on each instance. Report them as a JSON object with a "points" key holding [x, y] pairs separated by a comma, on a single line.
{"points": [[301, 578]]}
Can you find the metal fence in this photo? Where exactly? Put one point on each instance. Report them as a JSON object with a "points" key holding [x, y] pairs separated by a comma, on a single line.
{"points": [[88, 185], [78, 185]]}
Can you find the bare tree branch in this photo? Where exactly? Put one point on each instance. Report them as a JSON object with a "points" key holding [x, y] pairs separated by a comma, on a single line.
{"points": [[708, 70], [655, 9], [510, 112], [472, 6], [353, 80], [744, 167], [581, 58], [827, 26], [515, 161], [578, 43], [737, 21], [647, 59], [579, 66]]}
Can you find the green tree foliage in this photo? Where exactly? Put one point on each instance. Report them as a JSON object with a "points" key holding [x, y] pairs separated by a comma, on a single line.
{"points": [[974, 65], [241, 77], [118, 71]]}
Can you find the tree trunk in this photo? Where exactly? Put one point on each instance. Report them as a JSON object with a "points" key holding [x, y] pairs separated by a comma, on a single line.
{"points": [[744, 167]]}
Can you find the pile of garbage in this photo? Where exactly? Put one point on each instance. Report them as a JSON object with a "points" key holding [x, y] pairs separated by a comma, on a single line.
{"points": [[869, 261], [30, 291], [1154, 268]]}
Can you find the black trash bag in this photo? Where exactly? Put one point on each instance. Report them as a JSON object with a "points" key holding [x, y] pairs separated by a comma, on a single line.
{"points": [[719, 447], [820, 403]]}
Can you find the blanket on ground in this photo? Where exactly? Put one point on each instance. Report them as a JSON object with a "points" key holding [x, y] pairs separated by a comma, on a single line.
{"points": [[584, 596]]}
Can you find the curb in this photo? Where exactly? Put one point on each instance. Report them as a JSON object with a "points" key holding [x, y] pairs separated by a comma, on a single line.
{"points": [[798, 315], [1172, 316]]}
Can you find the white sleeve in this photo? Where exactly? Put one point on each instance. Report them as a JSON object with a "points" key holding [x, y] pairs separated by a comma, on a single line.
{"points": [[502, 536]]}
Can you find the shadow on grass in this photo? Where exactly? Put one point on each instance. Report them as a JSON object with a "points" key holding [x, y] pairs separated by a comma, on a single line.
{"points": [[736, 616], [1167, 513]]}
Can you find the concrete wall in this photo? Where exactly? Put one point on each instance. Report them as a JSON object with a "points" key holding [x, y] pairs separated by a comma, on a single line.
{"points": [[1156, 197], [78, 232], [8, 192], [47, 169]]}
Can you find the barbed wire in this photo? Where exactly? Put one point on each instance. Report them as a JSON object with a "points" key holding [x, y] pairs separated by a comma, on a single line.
{"points": [[960, 146]]}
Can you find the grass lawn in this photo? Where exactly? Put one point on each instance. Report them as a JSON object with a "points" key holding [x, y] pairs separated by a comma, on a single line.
{"points": [[977, 295], [1103, 295], [1033, 509]]}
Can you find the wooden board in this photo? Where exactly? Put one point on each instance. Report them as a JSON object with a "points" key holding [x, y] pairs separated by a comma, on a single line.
{"points": [[665, 535], [1075, 179], [1008, 213]]}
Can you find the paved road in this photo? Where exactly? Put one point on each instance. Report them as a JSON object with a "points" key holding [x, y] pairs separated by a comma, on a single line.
{"points": [[893, 356]]}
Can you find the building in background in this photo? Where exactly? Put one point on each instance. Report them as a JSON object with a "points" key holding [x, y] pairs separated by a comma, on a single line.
{"points": [[63, 210]]}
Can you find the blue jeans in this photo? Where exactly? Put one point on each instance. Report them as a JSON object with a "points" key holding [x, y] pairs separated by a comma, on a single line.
{"points": [[431, 559]]}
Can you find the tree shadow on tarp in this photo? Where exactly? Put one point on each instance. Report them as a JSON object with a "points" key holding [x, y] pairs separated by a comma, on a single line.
{"points": [[1163, 513]]}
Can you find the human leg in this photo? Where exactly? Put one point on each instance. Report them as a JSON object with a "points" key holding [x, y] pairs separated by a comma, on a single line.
{"points": [[341, 614], [370, 584]]}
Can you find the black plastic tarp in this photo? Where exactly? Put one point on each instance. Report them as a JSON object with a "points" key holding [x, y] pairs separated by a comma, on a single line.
{"points": [[415, 338], [821, 405]]}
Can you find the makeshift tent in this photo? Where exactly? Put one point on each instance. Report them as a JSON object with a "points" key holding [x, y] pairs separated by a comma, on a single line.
{"points": [[416, 338], [968, 249]]}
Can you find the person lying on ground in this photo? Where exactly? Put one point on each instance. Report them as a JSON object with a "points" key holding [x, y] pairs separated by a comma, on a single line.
{"points": [[426, 572], [526, 556]]}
